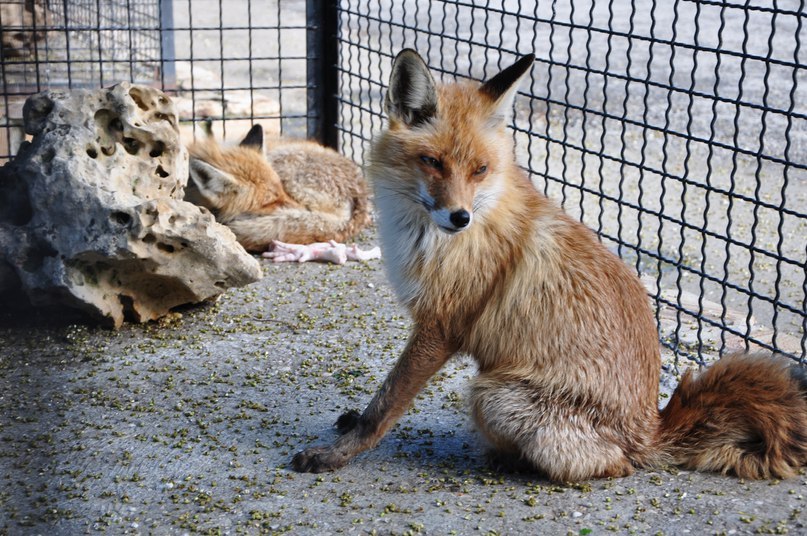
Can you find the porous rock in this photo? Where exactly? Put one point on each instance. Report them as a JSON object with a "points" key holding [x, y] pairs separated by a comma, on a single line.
{"points": [[91, 210]]}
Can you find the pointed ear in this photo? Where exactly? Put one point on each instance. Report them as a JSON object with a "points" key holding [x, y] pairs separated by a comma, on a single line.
{"points": [[501, 89], [254, 138], [211, 182], [411, 97]]}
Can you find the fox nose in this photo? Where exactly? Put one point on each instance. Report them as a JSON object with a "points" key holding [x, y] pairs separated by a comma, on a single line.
{"points": [[460, 218]]}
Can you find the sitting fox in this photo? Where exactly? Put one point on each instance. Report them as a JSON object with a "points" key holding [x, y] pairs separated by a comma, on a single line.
{"points": [[560, 328], [296, 191]]}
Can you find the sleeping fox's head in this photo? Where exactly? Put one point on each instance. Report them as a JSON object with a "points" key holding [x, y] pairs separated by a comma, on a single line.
{"points": [[234, 181], [446, 148]]}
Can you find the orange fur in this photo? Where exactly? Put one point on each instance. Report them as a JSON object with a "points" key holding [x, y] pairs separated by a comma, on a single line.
{"points": [[561, 328], [745, 415], [258, 187], [297, 191]]}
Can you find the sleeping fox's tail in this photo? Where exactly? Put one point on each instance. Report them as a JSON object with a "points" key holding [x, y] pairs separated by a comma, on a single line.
{"points": [[298, 226]]}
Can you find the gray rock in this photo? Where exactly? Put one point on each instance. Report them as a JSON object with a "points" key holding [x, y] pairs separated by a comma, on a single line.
{"points": [[91, 210]]}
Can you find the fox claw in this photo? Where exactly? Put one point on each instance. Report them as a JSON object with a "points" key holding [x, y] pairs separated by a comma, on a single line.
{"points": [[508, 463], [347, 421], [316, 460]]}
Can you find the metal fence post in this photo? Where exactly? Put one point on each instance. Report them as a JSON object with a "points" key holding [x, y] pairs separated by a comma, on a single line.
{"points": [[167, 53], [322, 56]]}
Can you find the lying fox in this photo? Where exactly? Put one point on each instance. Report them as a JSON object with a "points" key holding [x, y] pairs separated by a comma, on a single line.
{"points": [[297, 191], [560, 328]]}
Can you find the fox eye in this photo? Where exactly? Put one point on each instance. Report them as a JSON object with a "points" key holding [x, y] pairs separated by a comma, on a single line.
{"points": [[480, 170], [431, 162]]}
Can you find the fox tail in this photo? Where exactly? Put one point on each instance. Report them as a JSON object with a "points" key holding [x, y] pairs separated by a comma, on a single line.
{"points": [[359, 216], [745, 415], [300, 225]]}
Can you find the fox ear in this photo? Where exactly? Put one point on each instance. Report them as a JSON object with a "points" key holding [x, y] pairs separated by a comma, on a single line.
{"points": [[411, 97], [254, 138], [501, 89], [211, 184]]}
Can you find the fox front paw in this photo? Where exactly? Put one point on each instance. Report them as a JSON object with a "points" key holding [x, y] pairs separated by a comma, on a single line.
{"points": [[317, 460], [347, 421]]}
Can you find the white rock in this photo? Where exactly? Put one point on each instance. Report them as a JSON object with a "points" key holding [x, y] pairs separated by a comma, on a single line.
{"points": [[91, 210]]}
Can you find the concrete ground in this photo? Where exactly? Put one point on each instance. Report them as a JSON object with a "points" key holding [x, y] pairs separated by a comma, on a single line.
{"points": [[188, 426]]}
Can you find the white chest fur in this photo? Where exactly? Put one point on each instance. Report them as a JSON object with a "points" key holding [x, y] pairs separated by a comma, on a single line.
{"points": [[404, 229], [409, 235]]}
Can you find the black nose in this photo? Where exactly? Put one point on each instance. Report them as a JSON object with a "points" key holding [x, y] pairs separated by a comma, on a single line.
{"points": [[460, 218]]}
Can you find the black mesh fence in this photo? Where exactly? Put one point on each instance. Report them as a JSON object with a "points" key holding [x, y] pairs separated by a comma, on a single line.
{"points": [[57, 44], [674, 128], [240, 62], [677, 129], [49, 44], [233, 62]]}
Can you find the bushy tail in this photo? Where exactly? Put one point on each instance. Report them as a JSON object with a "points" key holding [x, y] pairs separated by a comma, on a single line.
{"points": [[299, 225], [745, 415], [359, 215]]}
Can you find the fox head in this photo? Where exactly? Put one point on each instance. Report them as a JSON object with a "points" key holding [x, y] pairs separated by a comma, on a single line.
{"points": [[446, 149], [236, 180]]}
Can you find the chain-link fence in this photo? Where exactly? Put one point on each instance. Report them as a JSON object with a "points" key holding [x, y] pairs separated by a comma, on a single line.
{"points": [[232, 62], [677, 129], [49, 44]]}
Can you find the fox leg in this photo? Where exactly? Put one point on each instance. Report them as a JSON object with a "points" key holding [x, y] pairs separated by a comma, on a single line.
{"points": [[557, 439], [425, 353]]}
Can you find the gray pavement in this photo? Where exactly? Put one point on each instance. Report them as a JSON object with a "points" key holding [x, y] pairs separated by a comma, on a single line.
{"points": [[188, 426]]}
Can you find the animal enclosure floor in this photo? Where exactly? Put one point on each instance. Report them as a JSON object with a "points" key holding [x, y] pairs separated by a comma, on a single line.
{"points": [[188, 426]]}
